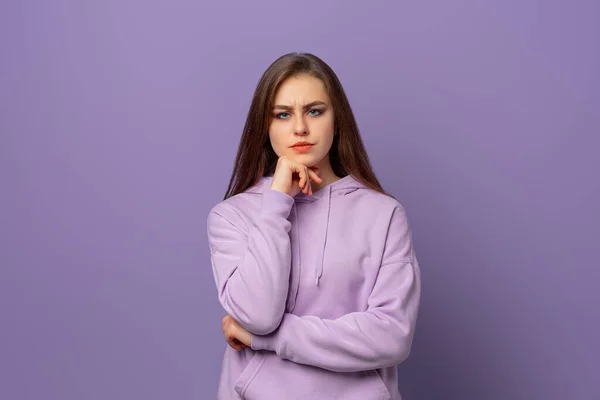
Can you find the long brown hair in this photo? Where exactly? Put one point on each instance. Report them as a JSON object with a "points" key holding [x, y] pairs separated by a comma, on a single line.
{"points": [[256, 157]]}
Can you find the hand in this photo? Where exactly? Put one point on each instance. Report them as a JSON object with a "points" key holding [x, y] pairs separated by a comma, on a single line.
{"points": [[236, 336], [290, 177]]}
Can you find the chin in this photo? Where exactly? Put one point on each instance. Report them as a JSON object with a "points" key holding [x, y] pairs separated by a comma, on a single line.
{"points": [[308, 160], [301, 158]]}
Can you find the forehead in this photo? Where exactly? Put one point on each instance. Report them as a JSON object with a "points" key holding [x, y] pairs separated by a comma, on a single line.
{"points": [[306, 88]]}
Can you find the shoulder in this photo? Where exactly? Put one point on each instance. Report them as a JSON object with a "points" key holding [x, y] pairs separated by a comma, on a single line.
{"points": [[236, 210], [385, 215], [377, 203], [393, 229]]}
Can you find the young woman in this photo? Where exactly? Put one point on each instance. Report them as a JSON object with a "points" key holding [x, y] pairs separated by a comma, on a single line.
{"points": [[314, 263]]}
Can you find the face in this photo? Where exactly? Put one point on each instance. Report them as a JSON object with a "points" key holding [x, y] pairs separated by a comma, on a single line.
{"points": [[302, 114]]}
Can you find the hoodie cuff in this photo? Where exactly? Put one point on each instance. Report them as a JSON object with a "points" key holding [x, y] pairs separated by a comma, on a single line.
{"points": [[260, 342], [276, 202]]}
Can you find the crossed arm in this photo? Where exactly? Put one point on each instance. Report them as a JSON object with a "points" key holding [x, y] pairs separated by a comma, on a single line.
{"points": [[379, 337]]}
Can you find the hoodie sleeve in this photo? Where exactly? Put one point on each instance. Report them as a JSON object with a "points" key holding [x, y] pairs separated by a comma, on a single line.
{"points": [[379, 337], [251, 269]]}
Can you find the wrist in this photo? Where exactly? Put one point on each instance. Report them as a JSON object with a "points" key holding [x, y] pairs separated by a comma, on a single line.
{"points": [[258, 342], [277, 188], [278, 203]]}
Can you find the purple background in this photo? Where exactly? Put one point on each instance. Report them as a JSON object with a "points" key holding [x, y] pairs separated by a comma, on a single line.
{"points": [[119, 121]]}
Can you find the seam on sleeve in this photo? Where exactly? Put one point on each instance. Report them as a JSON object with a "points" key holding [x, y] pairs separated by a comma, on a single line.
{"points": [[230, 223], [397, 262], [217, 248]]}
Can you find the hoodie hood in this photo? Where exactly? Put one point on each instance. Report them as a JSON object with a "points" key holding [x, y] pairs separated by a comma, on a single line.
{"points": [[321, 200]]}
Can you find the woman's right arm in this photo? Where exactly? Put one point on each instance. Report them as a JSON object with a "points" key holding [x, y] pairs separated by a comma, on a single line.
{"points": [[251, 269]]}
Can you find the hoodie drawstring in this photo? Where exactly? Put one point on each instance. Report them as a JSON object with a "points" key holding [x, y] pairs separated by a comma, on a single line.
{"points": [[325, 219], [322, 210]]}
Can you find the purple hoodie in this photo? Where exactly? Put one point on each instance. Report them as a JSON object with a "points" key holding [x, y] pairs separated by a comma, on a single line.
{"points": [[328, 285]]}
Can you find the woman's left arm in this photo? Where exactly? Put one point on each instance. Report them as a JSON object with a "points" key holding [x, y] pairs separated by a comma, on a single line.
{"points": [[379, 337]]}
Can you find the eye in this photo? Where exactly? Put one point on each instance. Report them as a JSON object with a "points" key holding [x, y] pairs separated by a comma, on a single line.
{"points": [[282, 115], [315, 111]]}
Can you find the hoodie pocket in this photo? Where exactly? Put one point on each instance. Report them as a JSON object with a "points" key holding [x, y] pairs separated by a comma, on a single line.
{"points": [[269, 377]]}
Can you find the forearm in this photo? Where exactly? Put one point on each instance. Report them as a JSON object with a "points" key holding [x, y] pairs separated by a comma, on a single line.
{"points": [[252, 276], [377, 338]]}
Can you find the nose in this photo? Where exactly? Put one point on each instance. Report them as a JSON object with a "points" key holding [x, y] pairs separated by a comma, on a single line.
{"points": [[300, 127]]}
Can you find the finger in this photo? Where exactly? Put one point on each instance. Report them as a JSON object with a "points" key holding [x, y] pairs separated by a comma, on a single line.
{"points": [[226, 320], [237, 345], [231, 332], [303, 178], [313, 175], [233, 341], [229, 337], [234, 345], [307, 183]]}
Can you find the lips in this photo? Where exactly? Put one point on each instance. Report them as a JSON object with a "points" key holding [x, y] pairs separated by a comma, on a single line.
{"points": [[302, 144], [302, 147]]}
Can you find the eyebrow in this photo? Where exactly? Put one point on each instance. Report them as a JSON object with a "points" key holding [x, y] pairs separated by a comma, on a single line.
{"points": [[305, 107]]}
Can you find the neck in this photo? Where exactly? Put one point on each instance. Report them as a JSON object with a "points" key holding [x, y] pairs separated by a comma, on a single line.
{"points": [[327, 175]]}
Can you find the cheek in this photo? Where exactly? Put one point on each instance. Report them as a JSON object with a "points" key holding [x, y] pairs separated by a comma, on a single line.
{"points": [[325, 131], [276, 141]]}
